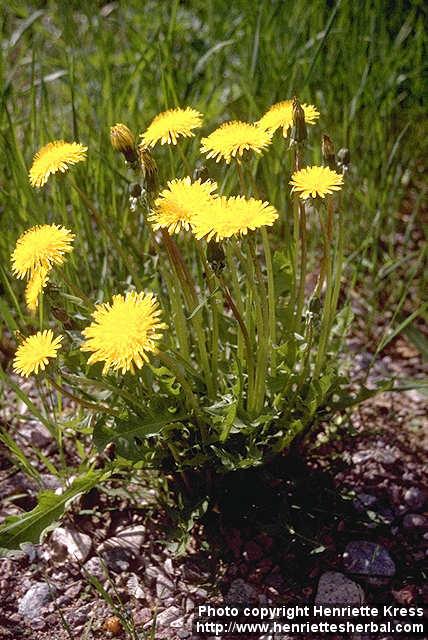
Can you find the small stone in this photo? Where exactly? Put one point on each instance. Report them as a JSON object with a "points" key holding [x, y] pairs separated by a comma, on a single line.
{"points": [[113, 625], [134, 587], [80, 616], [368, 558], [407, 595], [364, 501], [151, 574], [164, 586], [383, 456], [50, 481], [36, 433], [131, 537], [37, 597], [70, 542], [168, 566], [415, 521], [167, 617], [240, 592], [142, 616], [415, 498], [117, 559], [95, 568], [335, 588]]}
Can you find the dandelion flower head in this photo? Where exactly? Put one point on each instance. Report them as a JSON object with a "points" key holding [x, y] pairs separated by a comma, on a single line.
{"points": [[33, 354], [233, 216], [177, 205], [231, 139], [41, 246], [281, 115], [314, 181], [53, 157], [124, 332], [169, 125], [35, 286]]}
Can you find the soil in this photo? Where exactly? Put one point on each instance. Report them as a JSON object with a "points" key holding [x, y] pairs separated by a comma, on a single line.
{"points": [[267, 535]]}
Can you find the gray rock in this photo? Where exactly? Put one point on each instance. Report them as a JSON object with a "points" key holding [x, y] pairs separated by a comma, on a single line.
{"points": [[131, 537], [95, 568], [368, 558], [383, 456], [168, 617], [415, 521], [117, 559], [335, 588], [240, 592], [364, 501], [69, 542], [415, 498], [164, 586], [37, 597], [134, 587], [36, 433]]}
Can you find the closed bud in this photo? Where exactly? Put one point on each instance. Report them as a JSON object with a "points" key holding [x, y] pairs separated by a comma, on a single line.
{"points": [[344, 158], [299, 132], [149, 169], [122, 139], [201, 173], [215, 256], [328, 153]]}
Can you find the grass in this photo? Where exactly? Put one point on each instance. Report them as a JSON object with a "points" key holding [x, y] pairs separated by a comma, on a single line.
{"points": [[74, 72]]}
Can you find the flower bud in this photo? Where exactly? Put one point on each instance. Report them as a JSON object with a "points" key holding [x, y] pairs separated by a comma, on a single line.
{"points": [[122, 139], [299, 132], [328, 154], [149, 169], [344, 158], [215, 256]]}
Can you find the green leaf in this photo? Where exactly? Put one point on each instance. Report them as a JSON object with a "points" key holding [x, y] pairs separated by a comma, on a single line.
{"points": [[29, 526], [282, 271], [124, 432]]}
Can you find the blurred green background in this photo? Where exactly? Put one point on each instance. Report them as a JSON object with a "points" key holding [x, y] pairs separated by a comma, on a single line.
{"points": [[71, 69]]}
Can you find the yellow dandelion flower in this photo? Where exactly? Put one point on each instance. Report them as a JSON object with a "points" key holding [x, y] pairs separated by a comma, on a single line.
{"points": [[124, 332], [178, 204], [233, 216], [41, 246], [281, 115], [35, 286], [33, 354], [169, 125], [231, 139], [53, 157], [315, 181]]}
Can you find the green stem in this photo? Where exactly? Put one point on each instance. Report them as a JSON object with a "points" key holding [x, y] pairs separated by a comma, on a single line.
{"points": [[303, 263], [245, 334], [185, 160], [325, 322], [271, 299], [189, 292], [84, 403]]}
